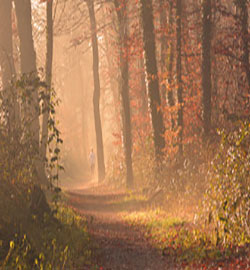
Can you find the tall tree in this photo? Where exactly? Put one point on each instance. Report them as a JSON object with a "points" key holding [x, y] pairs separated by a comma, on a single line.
{"points": [[206, 67], [163, 44], [167, 53], [96, 96], [143, 86], [147, 20], [29, 70], [170, 93], [243, 16], [179, 74], [24, 26], [6, 57], [112, 79], [48, 70], [6, 51], [28, 61], [124, 87]]}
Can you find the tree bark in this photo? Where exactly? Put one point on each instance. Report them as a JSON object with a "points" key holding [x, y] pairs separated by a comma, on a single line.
{"points": [[28, 61], [7, 62], [96, 96], [24, 26], [29, 70], [163, 46], [84, 119], [146, 9], [179, 75], [206, 68], [48, 78], [112, 79], [124, 70], [6, 51], [170, 94], [144, 96], [243, 7]]}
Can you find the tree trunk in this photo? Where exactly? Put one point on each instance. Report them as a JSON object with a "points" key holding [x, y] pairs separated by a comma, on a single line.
{"points": [[163, 44], [206, 67], [49, 61], [96, 96], [124, 69], [6, 61], [28, 61], [143, 81], [243, 7], [146, 9], [84, 119], [28, 68], [6, 52], [144, 96], [170, 95], [112, 79], [24, 26], [179, 75]]}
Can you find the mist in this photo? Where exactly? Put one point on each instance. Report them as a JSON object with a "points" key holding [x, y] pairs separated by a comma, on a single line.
{"points": [[124, 134]]}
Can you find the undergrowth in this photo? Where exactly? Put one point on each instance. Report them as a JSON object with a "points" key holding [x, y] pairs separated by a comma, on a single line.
{"points": [[227, 201], [210, 202], [59, 243], [33, 233], [185, 244]]}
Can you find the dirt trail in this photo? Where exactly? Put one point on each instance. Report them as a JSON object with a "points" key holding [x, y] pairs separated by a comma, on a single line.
{"points": [[120, 247]]}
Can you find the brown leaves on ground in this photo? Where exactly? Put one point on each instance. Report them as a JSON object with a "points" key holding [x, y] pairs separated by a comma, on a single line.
{"points": [[117, 245], [121, 245]]}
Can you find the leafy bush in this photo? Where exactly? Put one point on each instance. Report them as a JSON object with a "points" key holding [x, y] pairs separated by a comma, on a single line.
{"points": [[19, 150], [32, 235], [227, 200], [61, 243]]}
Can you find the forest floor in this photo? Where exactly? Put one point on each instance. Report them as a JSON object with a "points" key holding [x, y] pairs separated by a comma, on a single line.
{"points": [[119, 244]]}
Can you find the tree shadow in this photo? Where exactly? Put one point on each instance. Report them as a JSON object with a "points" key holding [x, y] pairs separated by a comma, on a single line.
{"points": [[116, 244], [105, 203]]}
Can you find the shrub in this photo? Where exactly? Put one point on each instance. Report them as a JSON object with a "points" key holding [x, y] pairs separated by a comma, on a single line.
{"points": [[53, 243], [32, 236], [227, 200]]}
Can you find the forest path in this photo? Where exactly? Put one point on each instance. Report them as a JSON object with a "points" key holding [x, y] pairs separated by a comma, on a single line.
{"points": [[118, 246]]}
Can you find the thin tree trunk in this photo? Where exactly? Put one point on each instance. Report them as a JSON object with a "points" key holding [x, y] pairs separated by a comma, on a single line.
{"points": [[163, 44], [6, 60], [163, 24], [143, 79], [112, 79], [179, 75], [170, 94], [245, 36], [96, 96], [124, 70], [144, 96], [49, 61], [146, 9], [85, 135], [206, 68]]}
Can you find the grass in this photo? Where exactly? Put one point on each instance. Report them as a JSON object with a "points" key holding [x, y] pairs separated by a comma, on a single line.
{"points": [[158, 226], [131, 198], [184, 243]]}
